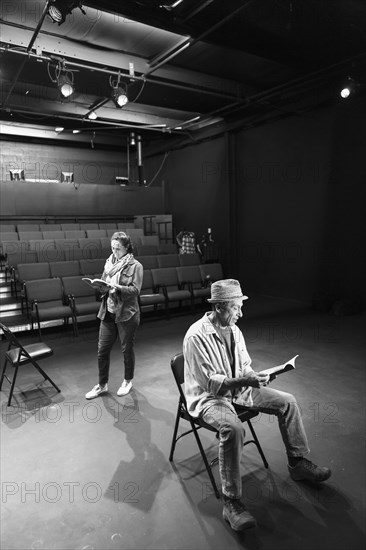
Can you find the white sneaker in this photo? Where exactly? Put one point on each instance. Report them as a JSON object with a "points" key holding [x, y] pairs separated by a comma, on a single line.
{"points": [[97, 390], [125, 388]]}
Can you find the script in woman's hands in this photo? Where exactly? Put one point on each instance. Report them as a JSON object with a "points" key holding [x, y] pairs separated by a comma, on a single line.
{"points": [[275, 371], [97, 283]]}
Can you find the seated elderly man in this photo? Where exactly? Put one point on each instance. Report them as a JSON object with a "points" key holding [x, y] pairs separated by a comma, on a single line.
{"points": [[218, 378]]}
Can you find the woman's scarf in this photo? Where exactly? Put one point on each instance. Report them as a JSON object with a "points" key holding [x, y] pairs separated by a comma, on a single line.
{"points": [[112, 270]]}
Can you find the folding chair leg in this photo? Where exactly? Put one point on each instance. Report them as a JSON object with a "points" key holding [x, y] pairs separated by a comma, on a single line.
{"points": [[12, 385], [45, 376], [174, 440], [203, 454], [258, 445], [3, 373]]}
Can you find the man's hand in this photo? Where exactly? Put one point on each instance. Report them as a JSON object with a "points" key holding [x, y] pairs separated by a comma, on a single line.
{"points": [[256, 379]]}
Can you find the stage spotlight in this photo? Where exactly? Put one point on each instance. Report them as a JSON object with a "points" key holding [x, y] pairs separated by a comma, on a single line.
{"points": [[65, 85], [58, 9], [119, 96], [132, 139], [348, 88]]}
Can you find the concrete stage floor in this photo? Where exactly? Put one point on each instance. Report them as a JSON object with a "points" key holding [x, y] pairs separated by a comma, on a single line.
{"points": [[80, 474]]}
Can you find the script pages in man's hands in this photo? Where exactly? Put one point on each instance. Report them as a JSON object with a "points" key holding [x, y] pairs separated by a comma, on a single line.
{"points": [[275, 371], [98, 284]]}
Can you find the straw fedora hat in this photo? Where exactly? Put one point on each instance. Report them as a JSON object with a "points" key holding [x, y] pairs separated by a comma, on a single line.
{"points": [[225, 291]]}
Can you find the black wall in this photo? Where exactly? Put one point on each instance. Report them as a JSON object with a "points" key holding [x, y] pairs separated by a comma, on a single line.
{"points": [[285, 200]]}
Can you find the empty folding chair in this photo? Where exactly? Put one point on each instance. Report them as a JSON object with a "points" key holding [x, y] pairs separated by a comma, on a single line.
{"points": [[18, 355], [189, 259], [168, 260], [81, 297], [65, 268], [166, 281], [177, 366], [47, 302]]}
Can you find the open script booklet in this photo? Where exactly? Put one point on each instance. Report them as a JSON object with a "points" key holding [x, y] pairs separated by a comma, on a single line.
{"points": [[275, 371], [98, 283]]}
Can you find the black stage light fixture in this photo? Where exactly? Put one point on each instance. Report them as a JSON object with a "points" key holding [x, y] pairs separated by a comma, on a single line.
{"points": [[119, 91], [119, 95], [348, 88], [65, 84], [58, 9]]}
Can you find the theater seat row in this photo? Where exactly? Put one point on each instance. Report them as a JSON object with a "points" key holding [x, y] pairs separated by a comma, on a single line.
{"points": [[20, 271], [53, 298], [68, 234], [74, 249], [32, 257], [11, 228]]}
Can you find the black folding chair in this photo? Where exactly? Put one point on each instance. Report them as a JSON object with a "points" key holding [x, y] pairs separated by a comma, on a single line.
{"points": [[18, 355], [177, 366]]}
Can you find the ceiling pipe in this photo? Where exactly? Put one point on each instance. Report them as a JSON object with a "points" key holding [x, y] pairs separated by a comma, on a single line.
{"points": [[191, 41], [28, 49], [115, 126], [197, 10], [290, 86], [79, 65]]}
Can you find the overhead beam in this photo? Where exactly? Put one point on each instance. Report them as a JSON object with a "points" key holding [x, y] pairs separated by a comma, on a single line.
{"points": [[120, 61], [75, 111]]}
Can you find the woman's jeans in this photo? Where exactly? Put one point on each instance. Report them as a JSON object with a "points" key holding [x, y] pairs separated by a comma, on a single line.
{"points": [[108, 332], [232, 432]]}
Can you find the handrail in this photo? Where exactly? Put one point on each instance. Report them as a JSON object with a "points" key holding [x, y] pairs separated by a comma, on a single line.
{"points": [[61, 218]]}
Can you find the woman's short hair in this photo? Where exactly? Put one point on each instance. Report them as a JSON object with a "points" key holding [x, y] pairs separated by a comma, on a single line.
{"points": [[124, 239]]}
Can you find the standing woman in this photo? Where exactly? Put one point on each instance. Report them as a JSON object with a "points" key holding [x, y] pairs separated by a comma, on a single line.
{"points": [[119, 312]]}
